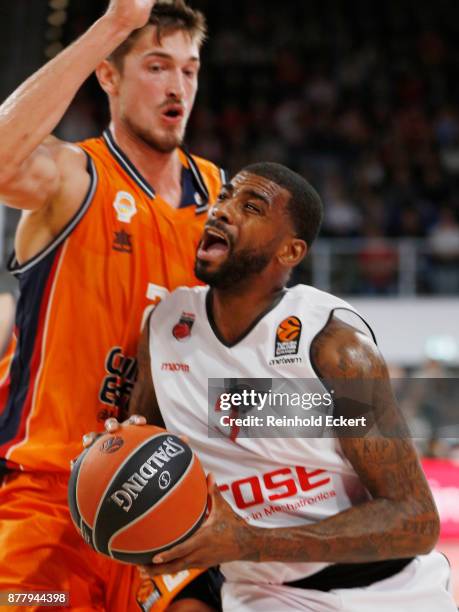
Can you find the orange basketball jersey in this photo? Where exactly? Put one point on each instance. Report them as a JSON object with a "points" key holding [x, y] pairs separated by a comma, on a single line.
{"points": [[83, 300]]}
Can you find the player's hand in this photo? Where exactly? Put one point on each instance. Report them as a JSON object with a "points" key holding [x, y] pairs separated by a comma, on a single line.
{"points": [[223, 537], [130, 14], [111, 425]]}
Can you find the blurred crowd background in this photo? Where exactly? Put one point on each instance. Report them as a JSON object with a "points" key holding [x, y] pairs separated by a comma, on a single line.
{"points": [[360, 97]]}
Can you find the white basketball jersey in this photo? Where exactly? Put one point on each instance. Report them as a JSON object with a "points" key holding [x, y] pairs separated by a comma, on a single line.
{"points": [[271, 482]]}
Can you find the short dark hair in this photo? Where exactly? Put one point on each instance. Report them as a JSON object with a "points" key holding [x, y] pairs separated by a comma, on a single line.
{"points": [[305, 207], [167, 17]]}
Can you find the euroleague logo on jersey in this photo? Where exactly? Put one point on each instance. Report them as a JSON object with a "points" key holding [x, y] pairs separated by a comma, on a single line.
{"points": [[111, 445], [288, 337], [182, 330]]}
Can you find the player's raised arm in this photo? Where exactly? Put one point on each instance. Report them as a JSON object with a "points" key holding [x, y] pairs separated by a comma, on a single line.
{"points": [[31, 170]]}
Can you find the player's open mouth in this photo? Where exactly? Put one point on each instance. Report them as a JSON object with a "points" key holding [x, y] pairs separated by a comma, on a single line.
{"points": [[213, 245], [173, 113]]}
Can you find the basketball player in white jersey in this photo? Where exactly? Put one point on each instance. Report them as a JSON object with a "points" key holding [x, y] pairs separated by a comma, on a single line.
{"points": [[298, 523]]}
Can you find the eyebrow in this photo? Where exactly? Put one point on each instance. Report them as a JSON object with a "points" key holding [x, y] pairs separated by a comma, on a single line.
{"points": [[257, 195], [247, 191], [162, 55]]}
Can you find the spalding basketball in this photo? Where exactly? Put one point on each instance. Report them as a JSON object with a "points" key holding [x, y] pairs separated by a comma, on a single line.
{"points": [[137, 492]]}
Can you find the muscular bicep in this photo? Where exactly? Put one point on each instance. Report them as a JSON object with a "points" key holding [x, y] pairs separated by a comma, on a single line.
{"points": [[143, 399]]}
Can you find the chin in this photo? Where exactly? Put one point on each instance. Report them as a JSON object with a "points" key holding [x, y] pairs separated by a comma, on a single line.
{"points": [[162, 141], [201, 268], [171, 140], [204, 272], [165, 144]]}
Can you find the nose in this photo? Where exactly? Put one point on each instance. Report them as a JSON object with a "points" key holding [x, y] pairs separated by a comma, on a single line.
{"points": [[223, 212], [175, 84]]}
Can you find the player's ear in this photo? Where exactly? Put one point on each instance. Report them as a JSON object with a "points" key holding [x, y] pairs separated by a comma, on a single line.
{"points": [[109, 77], [292, 252]]}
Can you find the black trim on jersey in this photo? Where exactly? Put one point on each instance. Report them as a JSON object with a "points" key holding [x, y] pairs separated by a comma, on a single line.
{"points": [[199, 182], [33, 284], [450, 570], [350, 575], [373, 337], [4, 470], [16, 269], [447, 560], [214, 327], [127, 165], [332, 312], [206, 587]]}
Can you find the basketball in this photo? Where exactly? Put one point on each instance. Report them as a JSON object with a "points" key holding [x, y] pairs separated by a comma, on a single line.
{"points": [[137, 492]]}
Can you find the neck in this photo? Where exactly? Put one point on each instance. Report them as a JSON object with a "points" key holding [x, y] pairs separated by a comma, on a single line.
{"points": [[163, 171], [235, 310]]}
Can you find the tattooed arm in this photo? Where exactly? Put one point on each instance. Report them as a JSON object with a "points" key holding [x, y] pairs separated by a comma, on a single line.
{"points": [[399, 520]]}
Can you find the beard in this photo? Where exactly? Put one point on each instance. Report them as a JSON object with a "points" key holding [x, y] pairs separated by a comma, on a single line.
{"points": [[237, 268], [165, 143]]}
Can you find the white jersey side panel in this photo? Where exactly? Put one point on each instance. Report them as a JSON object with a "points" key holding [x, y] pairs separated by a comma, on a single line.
{"points": [[271, 482]]}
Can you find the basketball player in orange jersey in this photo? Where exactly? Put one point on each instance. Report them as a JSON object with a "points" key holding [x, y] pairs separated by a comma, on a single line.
{"points": [[108, 227], [300, 520]]}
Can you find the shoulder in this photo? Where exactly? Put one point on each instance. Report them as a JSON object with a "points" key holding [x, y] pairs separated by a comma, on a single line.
{"points": [[180, 306], [67, 153], [318, 297], [342, 351], [319, 304], [182, 296], [64, 153], [97, 150], [190, 292]]}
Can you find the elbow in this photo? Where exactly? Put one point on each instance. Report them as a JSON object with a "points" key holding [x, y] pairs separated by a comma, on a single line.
{"points": [[424, 531], [428, 541]]}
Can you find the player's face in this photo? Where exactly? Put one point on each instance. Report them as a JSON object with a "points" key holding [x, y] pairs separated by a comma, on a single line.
{"points": [[158, 86], [245, 230]]}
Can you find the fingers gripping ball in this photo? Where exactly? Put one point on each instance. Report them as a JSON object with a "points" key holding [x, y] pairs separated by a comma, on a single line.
{"points": [[137, 492]]}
